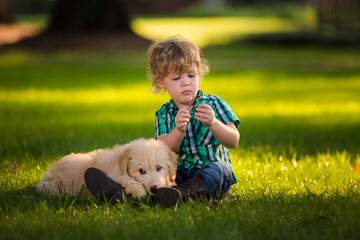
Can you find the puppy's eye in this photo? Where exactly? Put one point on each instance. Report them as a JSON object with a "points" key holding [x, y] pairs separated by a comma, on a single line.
{"points": [[158, 168], [142, 171]]}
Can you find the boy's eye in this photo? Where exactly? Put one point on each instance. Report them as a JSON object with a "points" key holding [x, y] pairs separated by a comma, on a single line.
{"points": [[176, 78], [191, 75]]}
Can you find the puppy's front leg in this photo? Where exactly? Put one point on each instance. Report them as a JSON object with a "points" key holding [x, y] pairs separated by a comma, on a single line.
{"points": [[131, 186]]}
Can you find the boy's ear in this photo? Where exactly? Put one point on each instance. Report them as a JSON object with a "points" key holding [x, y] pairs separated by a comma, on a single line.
{"points": [[159, 82]]}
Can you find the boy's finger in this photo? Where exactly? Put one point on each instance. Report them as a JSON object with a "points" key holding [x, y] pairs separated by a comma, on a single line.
{"points": [[183, 118], [207, 107], [202, 119], [184, 113], [202, 115], [184, 121], [202, 110], [199, 118], [183, 110], [204, 106]]}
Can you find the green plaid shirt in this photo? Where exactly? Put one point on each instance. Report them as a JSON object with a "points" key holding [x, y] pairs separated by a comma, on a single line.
{"points": [[199, 146]]}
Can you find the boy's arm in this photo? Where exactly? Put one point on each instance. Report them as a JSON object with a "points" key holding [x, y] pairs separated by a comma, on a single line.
{"points": [[226, 134], [174, 138]]}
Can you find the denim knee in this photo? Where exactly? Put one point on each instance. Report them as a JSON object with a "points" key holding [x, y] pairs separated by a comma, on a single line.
{"points": [[218, 177]]}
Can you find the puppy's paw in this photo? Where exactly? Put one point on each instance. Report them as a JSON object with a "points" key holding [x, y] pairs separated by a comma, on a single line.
{"points": [[135, 190]]}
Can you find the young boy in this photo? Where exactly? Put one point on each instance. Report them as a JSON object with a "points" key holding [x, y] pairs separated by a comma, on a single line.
{"points": [[199, 127]]}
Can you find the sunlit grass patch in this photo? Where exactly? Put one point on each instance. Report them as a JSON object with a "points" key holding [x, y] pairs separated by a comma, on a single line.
{"points": [[251, 94], [211, 30], [331, 173]]}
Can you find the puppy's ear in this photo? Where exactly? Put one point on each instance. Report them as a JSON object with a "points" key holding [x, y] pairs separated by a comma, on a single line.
{"points": [[123, 159], [172, 166], [172, 172], [172, 156]]}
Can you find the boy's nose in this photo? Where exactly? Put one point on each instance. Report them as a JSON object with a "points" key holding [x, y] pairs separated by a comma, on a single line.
{"points": [[186, 81]]}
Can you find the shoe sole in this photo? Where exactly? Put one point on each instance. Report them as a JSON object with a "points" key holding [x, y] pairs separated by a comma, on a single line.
{"points": [[101, 186], [167, 197]]}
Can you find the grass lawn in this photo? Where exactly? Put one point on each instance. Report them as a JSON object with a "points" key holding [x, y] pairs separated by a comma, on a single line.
{"points": [[297, 164]]}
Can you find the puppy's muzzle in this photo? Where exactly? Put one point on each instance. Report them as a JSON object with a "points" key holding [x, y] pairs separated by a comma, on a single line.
{"points": [[153, 189]]}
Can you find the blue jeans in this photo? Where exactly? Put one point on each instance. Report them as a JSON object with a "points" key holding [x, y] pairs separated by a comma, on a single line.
{"points": [[218, 177]]}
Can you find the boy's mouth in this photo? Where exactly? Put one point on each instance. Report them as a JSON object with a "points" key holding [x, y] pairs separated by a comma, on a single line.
{"points": [[187, 92]]}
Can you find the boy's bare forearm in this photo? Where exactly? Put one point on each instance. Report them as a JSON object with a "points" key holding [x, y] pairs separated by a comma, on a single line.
{"points": [[173, 139], [227, 135]]}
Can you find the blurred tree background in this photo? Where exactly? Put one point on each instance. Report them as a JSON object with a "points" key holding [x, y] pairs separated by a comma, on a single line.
{"points": [[5, 12], [337, 19], [73, 78]]}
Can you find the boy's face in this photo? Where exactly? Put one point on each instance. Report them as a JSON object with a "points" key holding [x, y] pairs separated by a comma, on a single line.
{"points": [[182, 87]]}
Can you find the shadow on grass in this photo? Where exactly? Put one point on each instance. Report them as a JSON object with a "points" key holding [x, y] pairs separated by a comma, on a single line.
{"points": [[63, 76], [28, 199], [304, 39], [301, 136], [257, 216]]}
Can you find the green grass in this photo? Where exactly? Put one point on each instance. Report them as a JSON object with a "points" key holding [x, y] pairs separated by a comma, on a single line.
{"points": [[297, 162]]}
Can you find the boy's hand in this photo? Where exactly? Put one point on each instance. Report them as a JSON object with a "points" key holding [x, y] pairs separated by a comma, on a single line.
{"points": [[205, 114], [182, 119]]}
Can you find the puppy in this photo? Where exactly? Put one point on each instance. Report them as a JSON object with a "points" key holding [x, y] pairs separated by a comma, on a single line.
{"points": [[138, 166]]}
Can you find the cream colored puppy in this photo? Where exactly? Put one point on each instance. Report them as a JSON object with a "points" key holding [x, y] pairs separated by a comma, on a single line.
{"points": [[136, 166]]}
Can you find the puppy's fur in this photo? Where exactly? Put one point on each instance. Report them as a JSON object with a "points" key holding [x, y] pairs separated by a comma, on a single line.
{"points": [[137, 166]]}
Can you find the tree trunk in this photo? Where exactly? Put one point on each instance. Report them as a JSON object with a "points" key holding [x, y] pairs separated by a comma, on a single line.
{"points": [[338, 16], [79, 16], [5, 14]]}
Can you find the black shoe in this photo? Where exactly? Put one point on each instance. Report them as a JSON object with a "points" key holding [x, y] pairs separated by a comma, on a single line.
{"points": [[167, 197], [193, 187], [170, 196], [102, 187]]}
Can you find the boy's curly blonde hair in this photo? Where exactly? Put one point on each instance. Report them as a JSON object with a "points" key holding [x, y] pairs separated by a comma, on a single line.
{"points": [[174, 54]]}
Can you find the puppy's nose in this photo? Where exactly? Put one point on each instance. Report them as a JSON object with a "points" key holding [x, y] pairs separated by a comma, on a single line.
{"points": [[153, 189]]}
